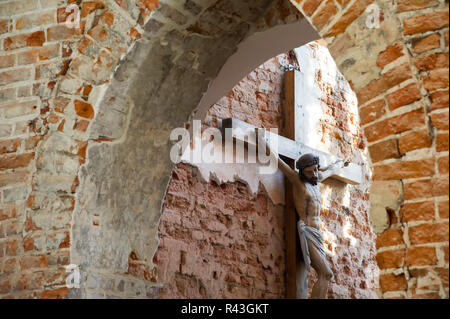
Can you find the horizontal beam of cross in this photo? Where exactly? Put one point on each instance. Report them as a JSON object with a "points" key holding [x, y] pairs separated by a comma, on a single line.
{"points": [[351, 174]]}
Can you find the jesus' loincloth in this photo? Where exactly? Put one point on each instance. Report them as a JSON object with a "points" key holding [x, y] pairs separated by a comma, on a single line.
{"points": [[313, 235]]}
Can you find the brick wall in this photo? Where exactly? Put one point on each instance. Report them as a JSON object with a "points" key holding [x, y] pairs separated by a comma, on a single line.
{"points": [[218, 242]]}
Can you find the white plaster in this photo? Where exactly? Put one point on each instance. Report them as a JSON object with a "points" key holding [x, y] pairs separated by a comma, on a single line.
{"points": [[246, 172]]}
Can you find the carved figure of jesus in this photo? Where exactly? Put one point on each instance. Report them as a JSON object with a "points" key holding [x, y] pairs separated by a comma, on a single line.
{"points": [[307, 200]]}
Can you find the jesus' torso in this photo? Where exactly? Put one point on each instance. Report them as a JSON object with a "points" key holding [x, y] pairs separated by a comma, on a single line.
{"points": [[307, 203]]}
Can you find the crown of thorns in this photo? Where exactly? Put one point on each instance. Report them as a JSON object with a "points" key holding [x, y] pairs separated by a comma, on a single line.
{"points": [[307, 160]]}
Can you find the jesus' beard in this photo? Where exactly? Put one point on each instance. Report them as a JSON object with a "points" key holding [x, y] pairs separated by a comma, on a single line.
{"points": [[313, 181]]}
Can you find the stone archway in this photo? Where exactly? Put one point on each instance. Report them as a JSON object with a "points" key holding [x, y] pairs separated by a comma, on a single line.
{"points": [[376, 61]]}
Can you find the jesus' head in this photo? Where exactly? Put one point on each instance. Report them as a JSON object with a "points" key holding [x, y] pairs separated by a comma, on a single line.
{"points": [[308, 168]]}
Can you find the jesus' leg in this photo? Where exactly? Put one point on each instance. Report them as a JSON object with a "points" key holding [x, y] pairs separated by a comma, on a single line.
{"points": [[320, 264], [301, 277]]}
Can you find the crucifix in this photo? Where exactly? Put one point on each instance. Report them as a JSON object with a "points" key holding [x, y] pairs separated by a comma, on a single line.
{"points": [[302, 195]]}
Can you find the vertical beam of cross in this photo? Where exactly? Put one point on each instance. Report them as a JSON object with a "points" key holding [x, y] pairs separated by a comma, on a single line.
{"points": [[290, 216]]}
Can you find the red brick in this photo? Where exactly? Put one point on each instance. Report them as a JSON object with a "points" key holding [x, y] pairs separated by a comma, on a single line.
{"points": [[372, 111], [392, 53], [440, 186], [15, 161], [404, 170], [427, 22], [427, 43], [5, 26], [439, 100], [432, 61], [404, 96], [60, 293], [388, 80], [351, 14], [35, 39], [409, 5], [428, 233], [421, 211], [310, 6], [390, 237], [391, 282], [414, 140], [436, 79], [443, 209], [5, 286], [443, 164], [325, 14], [384, 150], [391, 259], [440, 120], [442, 142], [421, 256], [84, 109], [396, 124], [90, 6]]}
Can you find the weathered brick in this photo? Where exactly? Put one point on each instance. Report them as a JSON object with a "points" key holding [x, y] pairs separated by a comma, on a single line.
{"points": [[15, 161], [59, 293], [7, 60], [391, 282], [420, 211], [432, 61], [427, 43], [414, 140], [391, 258], [389, 79], [442, 142], [372, 111], [310, 6], [427, 22], [397, 124], [17, 109], [18, 7], [436, 79], [8, 77], [90, 6], [84, 109], [390, 237], [61, 32], [34, 20], [392, 53], [421, 256], [325, 14], [35, 39], [409, 5], [384, 150], [443, 164], [404, 96], [439, 100], [12, 178], [443, 209], [428, 233], [440, 120], [351, 14], [9, 146], [404, 170]]}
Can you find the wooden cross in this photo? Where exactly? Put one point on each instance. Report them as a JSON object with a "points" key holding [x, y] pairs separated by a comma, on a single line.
{"points": [[292, 150]]}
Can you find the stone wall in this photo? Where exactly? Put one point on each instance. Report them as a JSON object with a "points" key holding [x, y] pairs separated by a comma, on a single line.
{"points": [[218, 241]]}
